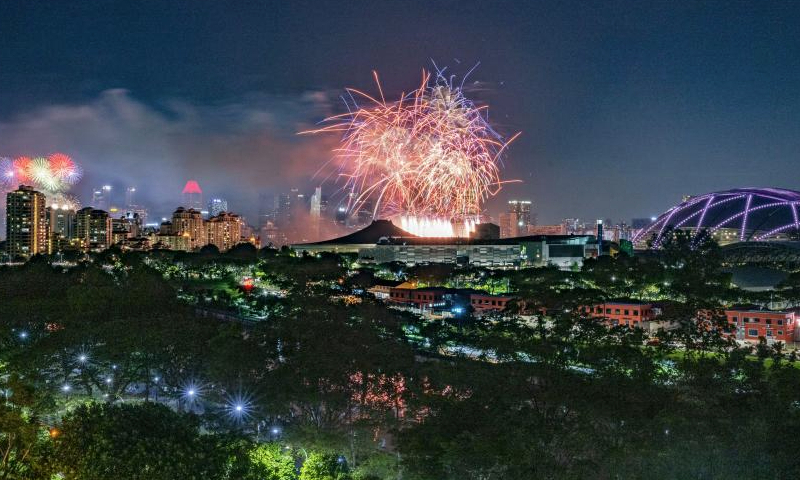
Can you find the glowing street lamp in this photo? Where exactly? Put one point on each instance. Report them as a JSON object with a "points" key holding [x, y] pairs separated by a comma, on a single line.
{"points": [[238, 407]]}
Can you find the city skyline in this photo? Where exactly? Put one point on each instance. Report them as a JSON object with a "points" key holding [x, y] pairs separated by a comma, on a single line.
{"points": [[709, 89]]}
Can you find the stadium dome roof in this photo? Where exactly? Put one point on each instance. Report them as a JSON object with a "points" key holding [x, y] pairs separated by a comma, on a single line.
{"points": [[754, 214]]}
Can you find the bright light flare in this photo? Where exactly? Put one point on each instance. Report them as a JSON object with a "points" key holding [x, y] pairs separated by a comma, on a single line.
{"points": [[438, 227], [239, 407]]}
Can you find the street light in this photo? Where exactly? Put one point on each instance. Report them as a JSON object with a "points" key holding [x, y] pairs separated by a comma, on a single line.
{"points": [[238, 407]]}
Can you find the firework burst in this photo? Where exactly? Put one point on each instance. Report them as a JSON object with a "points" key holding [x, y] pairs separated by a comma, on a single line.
{"points": [[53, 174], [430, 155], [7, 175]]}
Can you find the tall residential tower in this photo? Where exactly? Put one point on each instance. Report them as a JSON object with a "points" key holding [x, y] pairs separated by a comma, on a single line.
{"points": [[26, 222]]}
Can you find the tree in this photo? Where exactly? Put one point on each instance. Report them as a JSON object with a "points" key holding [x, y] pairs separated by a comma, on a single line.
{"points": [[22, 437], [209, 251], [135, 442], [269, 461], [324, 466]]}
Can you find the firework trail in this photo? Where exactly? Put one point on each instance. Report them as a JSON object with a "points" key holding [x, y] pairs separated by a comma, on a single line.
{"points": [[430, 156]]}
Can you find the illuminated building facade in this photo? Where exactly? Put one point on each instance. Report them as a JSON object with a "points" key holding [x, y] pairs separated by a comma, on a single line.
{"points": [[627, 313], [61, 229], [170, 241], [93, 228], [224, 230], [731, 216], [217, 206], [774, 326], [189, 222], [26, 222], [101, 198], [192, 196], [516, 221], [383, 242], [61, 221]]}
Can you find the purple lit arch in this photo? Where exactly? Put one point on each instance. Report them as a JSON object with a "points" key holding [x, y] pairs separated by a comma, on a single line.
{"points": [[757, 213]]}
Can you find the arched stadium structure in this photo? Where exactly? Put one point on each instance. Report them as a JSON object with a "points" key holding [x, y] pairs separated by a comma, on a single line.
{"points": [[730, 216]]}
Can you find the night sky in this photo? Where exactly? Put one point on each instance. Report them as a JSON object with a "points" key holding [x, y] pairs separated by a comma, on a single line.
{"points": [[623, 106]]}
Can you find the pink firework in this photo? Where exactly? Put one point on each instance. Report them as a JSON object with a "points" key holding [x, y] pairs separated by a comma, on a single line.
{"points": [[432, 154]]}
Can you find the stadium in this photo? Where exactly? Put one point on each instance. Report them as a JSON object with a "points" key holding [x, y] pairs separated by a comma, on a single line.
{"points": [[731, 216]]}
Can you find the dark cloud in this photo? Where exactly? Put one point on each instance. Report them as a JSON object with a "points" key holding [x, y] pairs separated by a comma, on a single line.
{"points": [[234, 150]]}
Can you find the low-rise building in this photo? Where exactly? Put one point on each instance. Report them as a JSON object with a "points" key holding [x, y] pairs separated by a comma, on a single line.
{"points": [[382, 288], [484, 302], [383, 242], [419, 297], [752, 324], [629, 313], [173, 241]]}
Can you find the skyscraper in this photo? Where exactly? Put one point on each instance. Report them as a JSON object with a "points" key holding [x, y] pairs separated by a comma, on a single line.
{"points": [[523, 210], [130, 197], [316, 213], [316, 203], [26, 222], [101, 198], [266, 209], [93, 227], [217, 206], [283, 210], [192, 195], [61, 221]]}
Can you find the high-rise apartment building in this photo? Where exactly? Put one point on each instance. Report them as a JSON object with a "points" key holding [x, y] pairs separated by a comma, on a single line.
{"points": [[93, 227], [189, 223], [26, 222], [224, 230]]}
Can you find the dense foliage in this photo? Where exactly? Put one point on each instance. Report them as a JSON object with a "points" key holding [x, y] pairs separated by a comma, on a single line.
{"points": [[132, 366]]}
